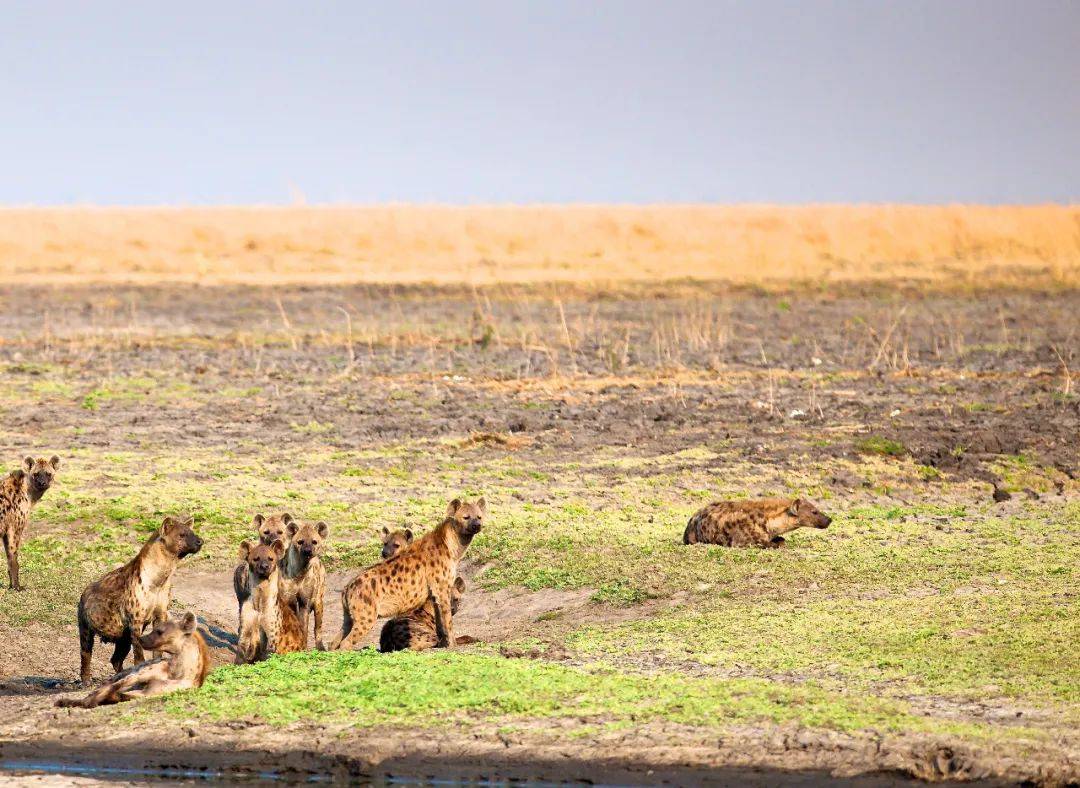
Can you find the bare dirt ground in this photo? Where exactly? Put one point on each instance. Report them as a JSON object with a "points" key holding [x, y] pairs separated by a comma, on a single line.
{"points": [[955, 383]]}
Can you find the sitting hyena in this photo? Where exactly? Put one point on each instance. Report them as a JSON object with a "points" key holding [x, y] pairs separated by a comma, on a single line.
{"points": [[268, 624], [752, 523], [185, 665], [425, 570], [118, 606], [416, 631], [18, 494], [393, 542], [269, 529], [303, 577]]}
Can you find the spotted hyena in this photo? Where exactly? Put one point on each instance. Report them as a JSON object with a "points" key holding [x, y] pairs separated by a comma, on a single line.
{"points": [[425, 571], [760, 523], [393, 542], [416, 631], [268, 624], [185, 663], [303, 576], [19, 491], [119, 606], [269, 529]]}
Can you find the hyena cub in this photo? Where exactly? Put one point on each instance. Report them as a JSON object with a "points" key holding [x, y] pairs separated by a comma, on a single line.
{"points": [[185, 663], [268, 625], [760, 523], [303, 577], [393, 542], [425, 571], [118, 606], [270, 529], [18, 494], [416, 631]]}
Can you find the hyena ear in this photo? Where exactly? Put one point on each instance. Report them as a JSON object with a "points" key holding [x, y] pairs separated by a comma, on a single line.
{"points": [[54, 461], [189, 624], [459, 584], [167, 525], [291, 528], [385, 532], [28, 463], [322, 528], [287, 518], [258, 521], [793, 510], [482, 505], [188, 519], [245, 548], [408, 535], [278, 547], [451, 510]]}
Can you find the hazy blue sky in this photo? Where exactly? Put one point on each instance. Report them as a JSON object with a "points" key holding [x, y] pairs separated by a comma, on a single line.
{"points": [[197, 102]]}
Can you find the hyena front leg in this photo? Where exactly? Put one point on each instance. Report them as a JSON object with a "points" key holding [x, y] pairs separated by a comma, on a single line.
{"points": [[444, 623]]}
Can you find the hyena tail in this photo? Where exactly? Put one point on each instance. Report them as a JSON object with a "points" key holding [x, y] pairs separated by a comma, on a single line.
{"points": [[690, 535]]}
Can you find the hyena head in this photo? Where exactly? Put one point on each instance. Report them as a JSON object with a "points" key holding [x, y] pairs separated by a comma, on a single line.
{"points": [[272, 528], [307, 537], [179, 537], [456, 592], [393, 542], [40, 474], [468, 517], [262, 560], [808, 515], [170, 636]]}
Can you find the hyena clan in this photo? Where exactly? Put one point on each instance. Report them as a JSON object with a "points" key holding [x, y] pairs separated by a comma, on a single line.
{"points": [[118, 606], [425, 570]]}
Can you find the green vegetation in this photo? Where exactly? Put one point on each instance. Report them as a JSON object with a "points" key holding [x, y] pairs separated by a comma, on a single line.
{"points": [[875, 444], [368, 689]]}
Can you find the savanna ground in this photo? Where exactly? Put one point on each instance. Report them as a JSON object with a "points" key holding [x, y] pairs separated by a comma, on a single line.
{"points": [[929, 632]]}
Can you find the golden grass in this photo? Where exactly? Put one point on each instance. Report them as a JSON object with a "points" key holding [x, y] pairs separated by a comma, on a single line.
{"points": [[965, 245]]}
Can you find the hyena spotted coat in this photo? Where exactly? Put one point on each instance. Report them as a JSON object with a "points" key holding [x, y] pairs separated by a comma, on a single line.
{"points": [[269, 529], [19, 491], [760, 523], [185, 663], [118, 606], [425, 570], [303, 577], [268, 624], [416, 631]]}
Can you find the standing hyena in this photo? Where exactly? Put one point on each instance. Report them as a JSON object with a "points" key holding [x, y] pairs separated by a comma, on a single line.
{"points": [[18, 494], [119, 606], [268, 624], [424, 570], [270, 530], [303, 576]]}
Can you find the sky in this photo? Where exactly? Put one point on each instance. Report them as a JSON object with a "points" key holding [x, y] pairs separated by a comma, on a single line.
{"points": [[552, 101]]}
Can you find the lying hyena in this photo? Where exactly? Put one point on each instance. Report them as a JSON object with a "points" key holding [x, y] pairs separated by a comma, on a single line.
{"points": [[416, 631], [268, 624], [118, 606], [393, 542], [303, 577], [269, 529], [759, 523], [18, 494], [185, 665], [425, 571]]}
